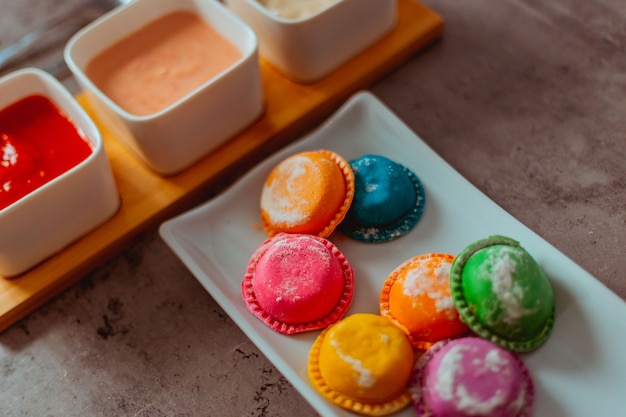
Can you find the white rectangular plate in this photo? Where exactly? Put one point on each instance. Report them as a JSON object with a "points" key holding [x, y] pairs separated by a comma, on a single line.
{"points": [[579, 372]]}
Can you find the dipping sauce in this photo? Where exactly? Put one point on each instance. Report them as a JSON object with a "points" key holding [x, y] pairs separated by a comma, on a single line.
{"points": [[296, 9], [38, 142], [161, 63]]}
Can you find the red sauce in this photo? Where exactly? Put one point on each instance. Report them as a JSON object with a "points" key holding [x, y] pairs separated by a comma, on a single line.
{"points": [[37, 144]]}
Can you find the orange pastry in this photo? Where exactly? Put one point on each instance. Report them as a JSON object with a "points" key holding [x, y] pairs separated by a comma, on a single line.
{"points": [[309, 192], [363, 363], [416, 297]]}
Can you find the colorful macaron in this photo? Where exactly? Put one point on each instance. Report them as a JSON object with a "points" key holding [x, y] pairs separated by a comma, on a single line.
{"points": [[388, 200], [296, 283], [363, 363], [416, 297], [473, 377], [309, 192], [503, 294]]}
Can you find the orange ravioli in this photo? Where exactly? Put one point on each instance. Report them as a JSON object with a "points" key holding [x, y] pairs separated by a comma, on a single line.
{"points": [[363, 363], [416, 297], [309, 192]]}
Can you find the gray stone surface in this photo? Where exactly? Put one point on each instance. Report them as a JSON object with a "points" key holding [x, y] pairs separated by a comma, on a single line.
{"points": [[525, 98]]}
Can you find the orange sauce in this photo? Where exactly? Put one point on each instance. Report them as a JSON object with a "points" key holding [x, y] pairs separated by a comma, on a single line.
{"points": [[161, 63]]}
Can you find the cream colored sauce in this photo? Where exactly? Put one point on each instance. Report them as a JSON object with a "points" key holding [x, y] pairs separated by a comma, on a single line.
{"points": [[161, 63], [296, 9]]}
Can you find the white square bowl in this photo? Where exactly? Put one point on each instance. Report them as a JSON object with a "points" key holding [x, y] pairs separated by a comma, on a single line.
{"points": [[174, 138], [48, 219], [309, 48]]}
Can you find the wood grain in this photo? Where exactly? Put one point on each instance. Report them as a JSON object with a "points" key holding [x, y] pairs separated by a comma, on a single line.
{"points": [[148, 199]]}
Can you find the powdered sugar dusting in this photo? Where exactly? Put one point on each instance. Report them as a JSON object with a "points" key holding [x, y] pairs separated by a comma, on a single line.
{"points": [[519, 402], [476, 407], [424, 278], [365, 378], [450, 388], [277, 202], [451, 364], [370, 188], [494, 361], [318, 253], [370, 232], [503, 264], [312, 256]]}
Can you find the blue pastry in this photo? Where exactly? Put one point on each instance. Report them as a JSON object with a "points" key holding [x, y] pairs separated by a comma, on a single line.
{"points": [[388, 200]]}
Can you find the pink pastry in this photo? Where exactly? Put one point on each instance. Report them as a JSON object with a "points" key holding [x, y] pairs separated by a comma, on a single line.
{"points": [[471, 376], [298, 282]]}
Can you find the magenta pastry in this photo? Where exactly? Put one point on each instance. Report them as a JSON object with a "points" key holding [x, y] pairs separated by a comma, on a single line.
{"points": [[298, 282], [474, 377]]}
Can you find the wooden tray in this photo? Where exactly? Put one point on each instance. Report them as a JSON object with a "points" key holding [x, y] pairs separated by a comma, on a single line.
{"points": [[148, 199]]}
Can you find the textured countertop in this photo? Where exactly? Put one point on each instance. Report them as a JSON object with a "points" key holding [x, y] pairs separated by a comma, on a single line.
{"points": [[525, 98]]}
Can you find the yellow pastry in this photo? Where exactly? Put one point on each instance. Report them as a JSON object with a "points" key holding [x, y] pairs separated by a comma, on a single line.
{"points": [[363, 363]]}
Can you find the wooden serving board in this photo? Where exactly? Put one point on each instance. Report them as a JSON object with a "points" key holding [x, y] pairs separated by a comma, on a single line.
{"points": [[148, 199]]}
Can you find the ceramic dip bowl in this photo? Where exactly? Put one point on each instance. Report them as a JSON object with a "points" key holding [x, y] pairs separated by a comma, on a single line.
{"points": [[56, 183], [174, 80], [307, 40]]}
